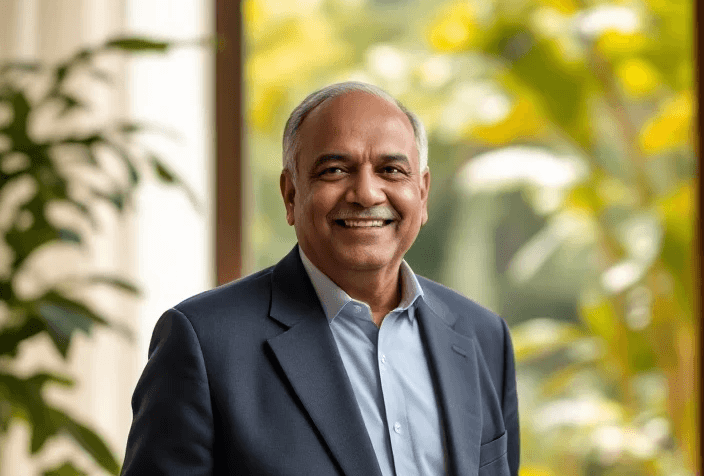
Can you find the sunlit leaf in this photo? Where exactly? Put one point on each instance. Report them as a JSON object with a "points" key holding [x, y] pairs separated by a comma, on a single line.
{"points": [[614, 43], [507, 168], [677, 211], [523, 122], [534, 470], [266, 104], [560, 380], [637, 77], [583, 199], [601, 318], [670, 128], [454, 29], [537, 338]]}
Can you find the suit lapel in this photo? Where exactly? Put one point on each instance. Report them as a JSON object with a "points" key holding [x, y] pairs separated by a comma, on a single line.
{"points": [[308, 356], [454, 367]]}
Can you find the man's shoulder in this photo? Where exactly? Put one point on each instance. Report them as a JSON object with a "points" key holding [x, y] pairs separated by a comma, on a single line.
{"points": [[470, 317], [251, 292]]}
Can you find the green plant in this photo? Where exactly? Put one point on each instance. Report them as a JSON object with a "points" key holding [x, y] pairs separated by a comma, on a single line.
{"points": [[49, 188]]}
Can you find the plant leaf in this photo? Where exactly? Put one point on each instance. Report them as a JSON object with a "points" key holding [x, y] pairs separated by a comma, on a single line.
{"points": [[134, 127], [12, 337], [101, 75], [163, 173], [66, 469], [25, 397], [117, 282], [85, 211], [25, 242], [63, 317], [42, 378], [61, 74], [71, 103], [91, 442], [66, 234], [122, 153], [21, 66], [137, 45], [166, 175], [46, 421]]}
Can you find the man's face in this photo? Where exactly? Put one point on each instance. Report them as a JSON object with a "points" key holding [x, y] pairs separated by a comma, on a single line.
{"points": [[359, 198]]}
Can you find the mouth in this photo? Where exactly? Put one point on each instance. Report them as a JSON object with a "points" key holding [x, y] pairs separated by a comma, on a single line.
{"points": [[363, 223]]}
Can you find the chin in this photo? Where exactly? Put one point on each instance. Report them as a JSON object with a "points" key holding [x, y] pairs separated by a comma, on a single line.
{"points": [[363, 260]]}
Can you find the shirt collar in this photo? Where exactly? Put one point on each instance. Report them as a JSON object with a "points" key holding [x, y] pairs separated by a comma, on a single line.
{"points": [[334, 298]]}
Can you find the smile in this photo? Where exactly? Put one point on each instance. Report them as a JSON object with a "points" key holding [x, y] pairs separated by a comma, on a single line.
{"points": [[362, 223]]}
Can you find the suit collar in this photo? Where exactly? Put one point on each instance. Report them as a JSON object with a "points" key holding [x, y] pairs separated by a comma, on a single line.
{"points": [[308, 356], [293, 297]]}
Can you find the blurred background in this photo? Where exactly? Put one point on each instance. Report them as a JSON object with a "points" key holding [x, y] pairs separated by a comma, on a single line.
{"points": [[563, 197]]}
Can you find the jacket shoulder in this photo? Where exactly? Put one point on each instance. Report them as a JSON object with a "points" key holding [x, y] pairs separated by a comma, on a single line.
{"points": [[470, 318], [250, 293]]}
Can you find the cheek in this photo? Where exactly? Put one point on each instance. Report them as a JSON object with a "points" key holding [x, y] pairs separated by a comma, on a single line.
{"points": [[315, 208], [408, 202], [324, 198]]}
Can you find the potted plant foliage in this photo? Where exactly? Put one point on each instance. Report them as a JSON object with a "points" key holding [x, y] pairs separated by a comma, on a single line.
{"points": [[74, 170]]}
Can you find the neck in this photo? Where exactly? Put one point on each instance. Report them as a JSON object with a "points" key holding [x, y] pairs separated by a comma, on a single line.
{"points": [[381, 291], [379, 288]]}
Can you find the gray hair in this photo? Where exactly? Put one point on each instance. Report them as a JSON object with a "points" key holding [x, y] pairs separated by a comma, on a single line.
{"points": [[291, 139]]}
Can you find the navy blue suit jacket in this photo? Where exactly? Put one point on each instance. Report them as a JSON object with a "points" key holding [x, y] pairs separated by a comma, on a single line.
{"points": [[246, 379]]}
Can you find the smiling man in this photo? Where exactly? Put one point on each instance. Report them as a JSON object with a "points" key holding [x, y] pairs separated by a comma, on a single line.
{"points": [[339, 360]]}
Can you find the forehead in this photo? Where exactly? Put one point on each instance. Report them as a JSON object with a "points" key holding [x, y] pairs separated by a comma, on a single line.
{"points": [[357, 120]]}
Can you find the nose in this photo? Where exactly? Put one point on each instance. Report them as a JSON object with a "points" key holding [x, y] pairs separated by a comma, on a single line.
{"points": [[366, 189]]}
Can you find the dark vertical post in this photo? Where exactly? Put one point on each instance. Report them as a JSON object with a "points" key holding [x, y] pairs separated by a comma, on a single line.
{"points": [[229, 140]]}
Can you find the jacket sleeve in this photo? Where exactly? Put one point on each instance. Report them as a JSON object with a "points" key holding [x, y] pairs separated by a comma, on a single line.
{"points": [[172, 425], [510, 403]]}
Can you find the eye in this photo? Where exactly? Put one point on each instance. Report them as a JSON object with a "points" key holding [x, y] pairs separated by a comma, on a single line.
{"points": [[391, 170], [330, 172]]}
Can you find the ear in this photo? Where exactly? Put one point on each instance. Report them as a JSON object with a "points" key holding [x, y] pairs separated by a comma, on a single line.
{"points": [[288, 192], [424, 190]]}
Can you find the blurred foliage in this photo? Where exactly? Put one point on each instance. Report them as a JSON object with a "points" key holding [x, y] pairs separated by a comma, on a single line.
{"points": [[57, 167], [562, 197]]}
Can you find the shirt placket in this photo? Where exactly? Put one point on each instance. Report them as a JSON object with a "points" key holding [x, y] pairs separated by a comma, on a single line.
{"points": [[394, 400]]}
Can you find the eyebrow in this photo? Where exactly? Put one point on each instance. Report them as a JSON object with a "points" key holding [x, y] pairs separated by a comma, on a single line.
{"points": [[325, 158]]}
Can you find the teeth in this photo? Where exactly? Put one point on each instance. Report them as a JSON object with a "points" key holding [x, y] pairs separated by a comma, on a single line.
{"points": [[360, 223]]}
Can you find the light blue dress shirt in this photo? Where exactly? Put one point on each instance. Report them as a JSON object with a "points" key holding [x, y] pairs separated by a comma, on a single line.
{"points": [[389, 373]]}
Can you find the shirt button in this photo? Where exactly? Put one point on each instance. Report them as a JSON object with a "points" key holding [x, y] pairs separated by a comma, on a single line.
{"points": [[358, 309], [397, 427], [383, 359]]}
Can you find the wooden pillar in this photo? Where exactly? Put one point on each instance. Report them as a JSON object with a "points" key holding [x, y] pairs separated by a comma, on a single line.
{"points": [[229, 140]]}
